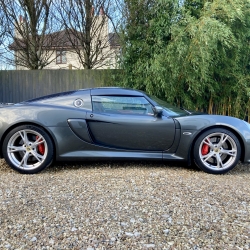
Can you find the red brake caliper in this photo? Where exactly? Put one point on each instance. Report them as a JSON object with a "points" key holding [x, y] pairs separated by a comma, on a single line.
{"points": [[40, 147], [204, 149]]}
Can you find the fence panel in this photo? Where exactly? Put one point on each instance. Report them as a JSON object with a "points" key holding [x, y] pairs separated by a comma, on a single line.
{"points": [[21, 85]]}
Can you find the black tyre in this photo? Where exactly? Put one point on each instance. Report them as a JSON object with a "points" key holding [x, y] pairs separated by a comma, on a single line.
{"points": [[217, 151], [28, 149]]}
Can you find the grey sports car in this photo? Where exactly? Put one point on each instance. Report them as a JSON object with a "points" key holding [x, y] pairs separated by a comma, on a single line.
{"points": [[117, 123]]}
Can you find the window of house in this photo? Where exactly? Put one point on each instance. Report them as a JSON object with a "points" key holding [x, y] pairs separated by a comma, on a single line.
{"points": [[61, 57], [122, 105]]}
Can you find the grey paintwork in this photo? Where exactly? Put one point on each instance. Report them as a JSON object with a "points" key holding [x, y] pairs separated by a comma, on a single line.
{"points": [[196, 124], [132, 132], [78, 133]]}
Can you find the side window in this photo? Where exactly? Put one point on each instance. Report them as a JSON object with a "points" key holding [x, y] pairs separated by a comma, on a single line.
{"points": [[121, 105]]}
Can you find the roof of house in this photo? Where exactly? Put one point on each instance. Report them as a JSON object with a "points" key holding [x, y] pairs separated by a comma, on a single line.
{"points": [[62, 39]]}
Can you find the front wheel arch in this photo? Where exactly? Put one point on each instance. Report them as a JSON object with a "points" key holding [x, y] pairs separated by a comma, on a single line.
{"points": [[191, 150], [217, 150]]}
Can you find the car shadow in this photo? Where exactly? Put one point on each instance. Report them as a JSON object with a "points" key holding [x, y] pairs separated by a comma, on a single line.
{"points": [[74, 165], [57, 167], [240, 169]]}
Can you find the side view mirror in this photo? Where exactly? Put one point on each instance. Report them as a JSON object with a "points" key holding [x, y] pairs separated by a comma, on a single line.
{"points": [[158, 111]]}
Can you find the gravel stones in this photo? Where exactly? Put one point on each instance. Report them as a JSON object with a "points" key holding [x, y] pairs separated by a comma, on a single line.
{"points": [[124, 206]]}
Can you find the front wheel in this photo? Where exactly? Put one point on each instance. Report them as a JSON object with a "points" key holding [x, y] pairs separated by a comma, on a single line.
{"points": [[217, 151], [28, 149]]}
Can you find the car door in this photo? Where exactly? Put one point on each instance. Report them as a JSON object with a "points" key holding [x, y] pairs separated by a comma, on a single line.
{"points": [[128, 122]]}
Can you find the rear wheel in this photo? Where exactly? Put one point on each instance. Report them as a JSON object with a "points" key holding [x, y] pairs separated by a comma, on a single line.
{"points": [[217, 151], [28, 149]]}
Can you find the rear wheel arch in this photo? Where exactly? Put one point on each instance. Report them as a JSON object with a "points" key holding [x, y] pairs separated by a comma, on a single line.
{"points": [[28, 149], [26, 123]]}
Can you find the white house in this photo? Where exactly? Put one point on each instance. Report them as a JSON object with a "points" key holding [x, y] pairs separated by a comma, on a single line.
{"points": [[60, 47]]}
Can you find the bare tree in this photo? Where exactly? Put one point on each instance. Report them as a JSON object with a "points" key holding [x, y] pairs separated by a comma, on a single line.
{"points": [[2, 26], [91, 29], [27, 24], [2, 31]]}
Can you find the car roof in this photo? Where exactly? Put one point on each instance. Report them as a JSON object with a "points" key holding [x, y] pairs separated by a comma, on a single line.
{"points": [[101, 91], [115, 91]]}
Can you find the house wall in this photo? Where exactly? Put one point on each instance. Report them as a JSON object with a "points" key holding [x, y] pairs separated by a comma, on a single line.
{"points": [[72, 62], [102, 36]]}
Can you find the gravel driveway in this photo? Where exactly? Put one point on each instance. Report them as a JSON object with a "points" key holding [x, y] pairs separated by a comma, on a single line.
{"points": [[124, 206]]}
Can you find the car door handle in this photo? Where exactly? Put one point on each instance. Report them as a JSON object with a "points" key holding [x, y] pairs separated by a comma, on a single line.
{"points": [[91, 116]]}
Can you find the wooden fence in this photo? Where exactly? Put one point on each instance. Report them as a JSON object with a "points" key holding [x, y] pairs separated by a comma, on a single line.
{"points": [[21, 85]]}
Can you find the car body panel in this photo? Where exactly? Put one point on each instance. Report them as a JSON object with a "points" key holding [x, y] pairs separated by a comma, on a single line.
{"points": [[132, 132], [192, 126], [79, 133]]}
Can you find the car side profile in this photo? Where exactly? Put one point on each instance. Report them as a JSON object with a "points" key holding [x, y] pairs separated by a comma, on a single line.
{"points": [[117, 123]]}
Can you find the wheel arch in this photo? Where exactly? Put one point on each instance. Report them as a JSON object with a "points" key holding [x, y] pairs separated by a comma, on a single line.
{"points": [[21, 124], [235, 132]]}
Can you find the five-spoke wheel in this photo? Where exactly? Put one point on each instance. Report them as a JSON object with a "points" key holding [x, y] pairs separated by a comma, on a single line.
{"points": [[217, 151], [28, 149]]}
